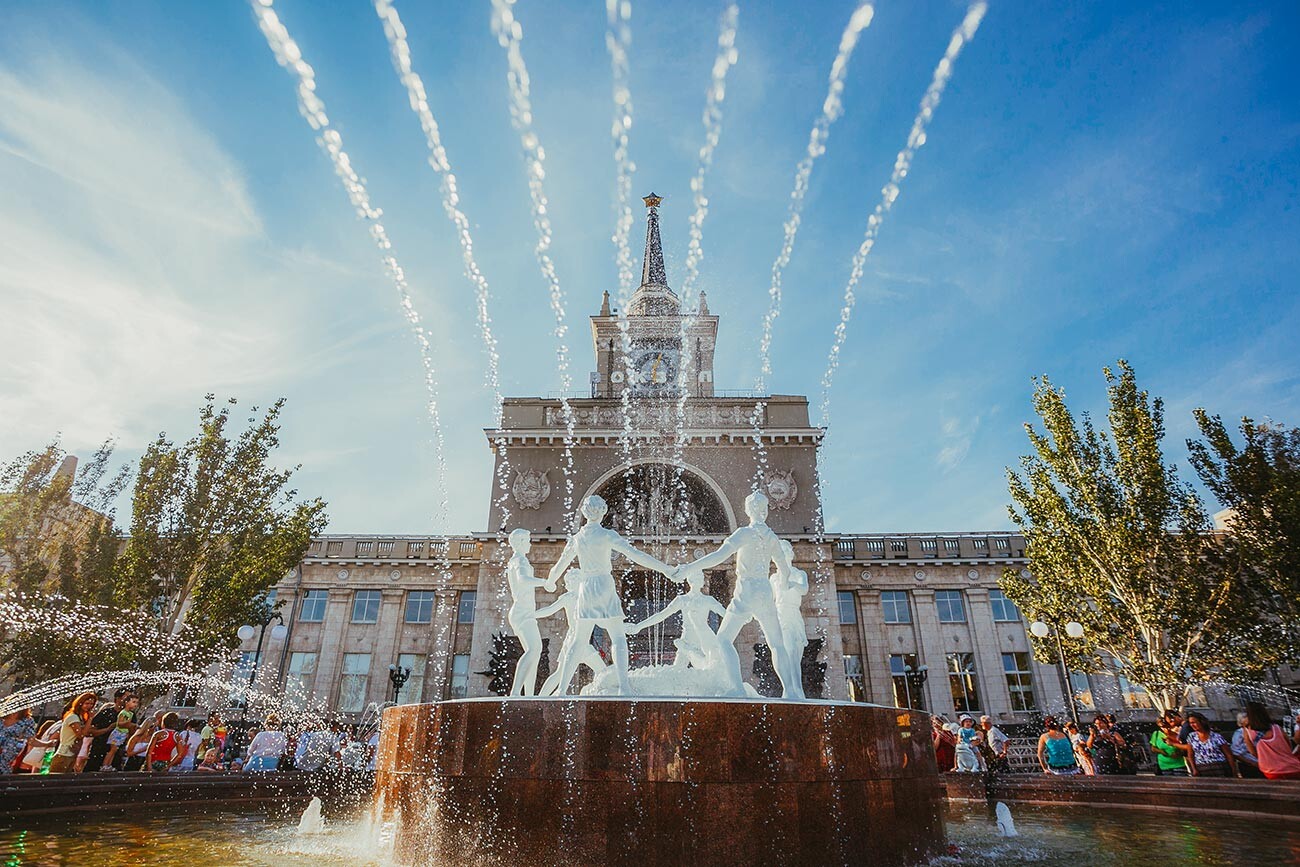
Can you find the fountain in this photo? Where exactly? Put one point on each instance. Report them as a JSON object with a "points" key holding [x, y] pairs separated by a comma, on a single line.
{"points": [[674, 763]]}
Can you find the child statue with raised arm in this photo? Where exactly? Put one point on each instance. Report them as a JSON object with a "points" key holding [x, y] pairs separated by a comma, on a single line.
{"points": [[594, 547], [583, 655], [523, 611], [789, 593], [698, 647]]}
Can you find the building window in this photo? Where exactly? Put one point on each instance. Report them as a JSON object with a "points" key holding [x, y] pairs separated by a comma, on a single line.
{"points": [[1004, 610], [298, 682], [853, 675], [355, 679], [241, 678], [365, 606], [1132, 695], [908, 691], [419, 606], [961, 678], [465, 613], [313, 606], [1081, 686], [1019, 680], [894, 603], [413, 689], [952, 609], [459, 675], [848, 610]]}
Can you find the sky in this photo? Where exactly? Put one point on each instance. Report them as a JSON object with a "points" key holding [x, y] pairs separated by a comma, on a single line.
{"points": [[1110, 180]]}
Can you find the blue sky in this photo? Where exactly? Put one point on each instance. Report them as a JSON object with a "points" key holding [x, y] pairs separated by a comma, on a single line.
{"points": [[1110, 180]]}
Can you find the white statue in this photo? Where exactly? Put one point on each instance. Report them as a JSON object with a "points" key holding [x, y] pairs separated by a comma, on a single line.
{"points": [[698, 645], [584, 655], [523, 611], [756, 548], [598, 604], [789, 593]]}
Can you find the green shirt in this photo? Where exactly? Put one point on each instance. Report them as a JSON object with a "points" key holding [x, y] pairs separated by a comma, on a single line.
{"points": [[1168, 756]]}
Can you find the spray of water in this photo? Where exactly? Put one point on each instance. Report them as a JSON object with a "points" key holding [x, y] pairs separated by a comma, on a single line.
{"points": [[618, 42], [438, 160], [289, 55], [510, 34], [723, 61], [888, 195], [832, 108]]}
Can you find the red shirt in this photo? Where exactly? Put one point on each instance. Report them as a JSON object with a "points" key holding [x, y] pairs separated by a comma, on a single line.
{"points": [[164, 747]]}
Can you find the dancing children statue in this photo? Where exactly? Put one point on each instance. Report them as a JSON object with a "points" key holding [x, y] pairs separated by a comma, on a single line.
{"points": [[698, 645], [789, 593], [523, 611], [582, 655], [594, 547], [756, 548]]}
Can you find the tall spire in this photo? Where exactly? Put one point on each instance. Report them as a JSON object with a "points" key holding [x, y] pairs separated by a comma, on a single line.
{"points": [[653, 298], [652, 267]]}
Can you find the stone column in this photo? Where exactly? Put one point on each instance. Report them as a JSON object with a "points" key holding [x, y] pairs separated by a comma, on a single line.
{"points": [[984, 636], [331, 645], [384, 650], [437, 667], [875, 648], [938, 696]]}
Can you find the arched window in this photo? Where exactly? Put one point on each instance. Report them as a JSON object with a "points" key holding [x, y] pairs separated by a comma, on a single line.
{"points": [[660, 500]]}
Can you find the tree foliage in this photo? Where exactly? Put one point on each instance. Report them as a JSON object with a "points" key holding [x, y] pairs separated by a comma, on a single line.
{"points": [[1116, 541], [1260, 482], [56, 523], [58, 542], [213, 527]]}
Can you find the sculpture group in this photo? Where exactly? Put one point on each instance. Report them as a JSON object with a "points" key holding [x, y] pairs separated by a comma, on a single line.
{"points": [[706, 662]]}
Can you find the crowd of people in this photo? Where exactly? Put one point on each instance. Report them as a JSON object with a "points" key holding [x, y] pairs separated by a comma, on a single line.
{"points": [[91, 735], [1181, 744]]}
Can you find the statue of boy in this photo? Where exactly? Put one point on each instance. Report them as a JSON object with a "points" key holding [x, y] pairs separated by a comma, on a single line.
{"points": [[789, 595], [756, 548], [523, 611], [698, 645], [594, 547], [582, 655]]}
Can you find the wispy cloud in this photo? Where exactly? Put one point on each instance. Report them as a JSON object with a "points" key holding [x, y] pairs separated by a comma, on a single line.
{"points": [[956, 436], [134, 274]]}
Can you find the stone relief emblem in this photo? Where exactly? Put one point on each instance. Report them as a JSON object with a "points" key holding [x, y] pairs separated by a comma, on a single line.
{"points": [[781, 489], [531, 489]]}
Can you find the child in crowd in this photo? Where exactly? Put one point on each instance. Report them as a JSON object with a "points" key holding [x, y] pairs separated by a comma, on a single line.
{"points": [[210, 761], [118, 737]]}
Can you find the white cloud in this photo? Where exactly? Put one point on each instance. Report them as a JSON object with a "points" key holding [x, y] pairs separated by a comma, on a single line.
{"points": [[956, 436], [134, 273]]}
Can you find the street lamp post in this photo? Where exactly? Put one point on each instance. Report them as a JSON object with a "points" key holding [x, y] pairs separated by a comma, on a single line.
{"points": [[247, 631], [398, 676], [916, 678], [1074, 629]]}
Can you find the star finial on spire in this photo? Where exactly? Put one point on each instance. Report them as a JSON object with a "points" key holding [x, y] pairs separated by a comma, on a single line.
{"points": [[651, 201]]}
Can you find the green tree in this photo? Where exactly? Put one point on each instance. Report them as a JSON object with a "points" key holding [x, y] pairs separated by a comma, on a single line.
{"points": [[1117, 541], [213, 527], [58, 548], [1260, 482], [56, 522]]}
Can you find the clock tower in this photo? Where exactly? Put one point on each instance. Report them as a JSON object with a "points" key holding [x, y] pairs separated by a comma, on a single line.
{"points": [[667, 349]]}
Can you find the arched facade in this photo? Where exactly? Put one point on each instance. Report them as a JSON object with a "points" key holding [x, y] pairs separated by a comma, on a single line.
{"points": [[652, 498]]}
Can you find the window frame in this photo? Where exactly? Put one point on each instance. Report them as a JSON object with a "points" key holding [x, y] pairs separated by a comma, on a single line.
{"points": [[943, 599], [841, 597], [351, 677], [419, 598], [963, 676], [368, 596], [889, 601], [1020, 680], [470, 596], [311, 597], [1000, 601]]}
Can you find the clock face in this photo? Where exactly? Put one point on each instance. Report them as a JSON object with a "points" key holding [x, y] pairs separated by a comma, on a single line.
{"points": [[655, 368]]}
